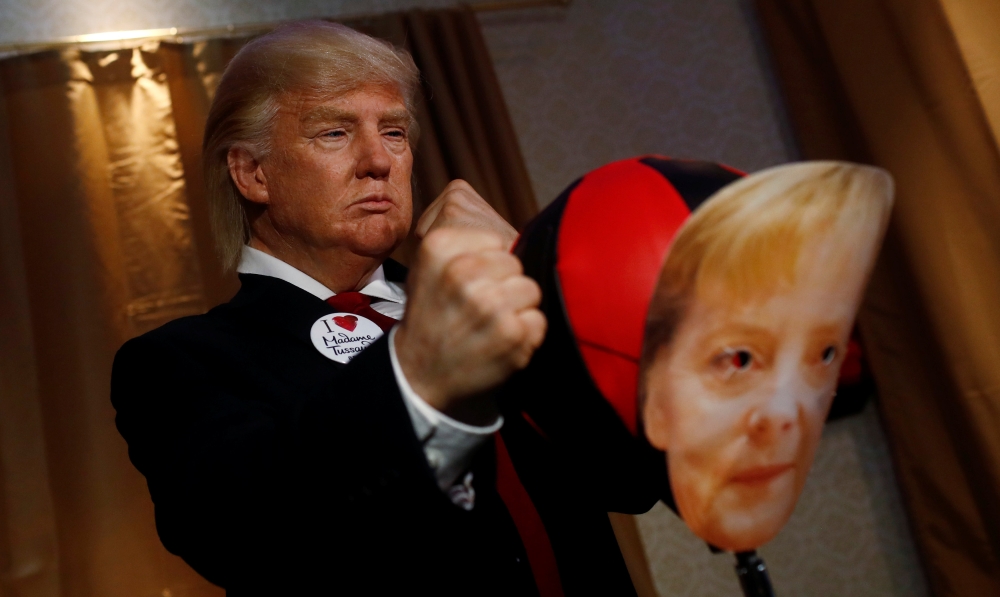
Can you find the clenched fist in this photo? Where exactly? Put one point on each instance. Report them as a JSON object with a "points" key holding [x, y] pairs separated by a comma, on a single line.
{"points": [[460, 206], [471, 320]]}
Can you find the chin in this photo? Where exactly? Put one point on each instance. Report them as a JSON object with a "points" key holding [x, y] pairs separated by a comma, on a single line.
{"points": [[750, 527], [379, 239], [740, 535], [740, 518]]}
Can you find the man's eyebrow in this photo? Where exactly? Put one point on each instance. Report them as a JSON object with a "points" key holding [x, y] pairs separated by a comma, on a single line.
{"points": [[327, 114], [395, 117]]}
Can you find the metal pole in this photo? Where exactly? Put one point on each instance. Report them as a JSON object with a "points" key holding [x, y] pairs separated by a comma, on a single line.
{"points": [[752, 572]]}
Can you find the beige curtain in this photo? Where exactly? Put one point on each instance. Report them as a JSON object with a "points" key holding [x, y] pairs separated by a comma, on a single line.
{"points": [[99, 248], [911, 85], [104, 235]]}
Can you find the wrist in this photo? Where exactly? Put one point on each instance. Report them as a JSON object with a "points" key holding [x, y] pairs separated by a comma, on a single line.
{"points": [[479, 410], [414, 370], [431, 386]]}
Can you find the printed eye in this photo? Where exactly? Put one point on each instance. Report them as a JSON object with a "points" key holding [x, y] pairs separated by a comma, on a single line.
{"points": [[733, 360], [740, 360], [829, 353]]}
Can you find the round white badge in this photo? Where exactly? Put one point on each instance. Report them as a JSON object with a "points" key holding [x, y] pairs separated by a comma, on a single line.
{"points": [[341, 336]]}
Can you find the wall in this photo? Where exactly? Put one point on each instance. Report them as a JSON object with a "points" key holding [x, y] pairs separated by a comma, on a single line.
{"points": [[39, 20], [601, 81]]}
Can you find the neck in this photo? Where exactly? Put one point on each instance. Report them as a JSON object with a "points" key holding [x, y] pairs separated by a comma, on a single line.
{"points": [[337, 268]]}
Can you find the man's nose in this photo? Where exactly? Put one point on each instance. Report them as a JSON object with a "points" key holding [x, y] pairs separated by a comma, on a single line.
{"points": [[373, 160]]}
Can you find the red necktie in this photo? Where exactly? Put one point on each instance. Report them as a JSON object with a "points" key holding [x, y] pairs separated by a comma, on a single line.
{"points": [[529, 525], [360, 304], [522, 510]]}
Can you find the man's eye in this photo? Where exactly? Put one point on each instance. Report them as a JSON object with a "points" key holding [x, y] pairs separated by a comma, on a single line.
{"points": [[335, 134], [829, 353], [396, 134]]}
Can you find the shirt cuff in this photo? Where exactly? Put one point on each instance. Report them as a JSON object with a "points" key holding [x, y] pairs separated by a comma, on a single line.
{"points": [[449, 445]]}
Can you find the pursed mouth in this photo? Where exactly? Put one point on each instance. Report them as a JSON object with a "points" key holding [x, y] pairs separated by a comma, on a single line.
{"points": [[378, 202], [761, 474]]}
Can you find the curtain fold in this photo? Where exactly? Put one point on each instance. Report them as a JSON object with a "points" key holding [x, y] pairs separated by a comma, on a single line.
{"points": [[192, 71], [106, 255], [104, 235], [886, 82], [28, 543]]}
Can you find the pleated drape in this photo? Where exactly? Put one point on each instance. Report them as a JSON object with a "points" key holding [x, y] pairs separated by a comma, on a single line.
{"points": [[888, 82], [106, 252], [192, 72], [28, 546], [104, 235]]}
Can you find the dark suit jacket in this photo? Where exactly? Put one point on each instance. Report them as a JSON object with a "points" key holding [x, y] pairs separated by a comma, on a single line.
{"points": [[275, 471]]}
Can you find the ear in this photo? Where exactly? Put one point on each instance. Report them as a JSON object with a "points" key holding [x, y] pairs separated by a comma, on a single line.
{"points": [[247, 175], [655, 418], [656, 426]]}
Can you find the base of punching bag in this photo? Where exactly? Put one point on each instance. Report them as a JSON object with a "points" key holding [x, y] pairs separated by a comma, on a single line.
{"points": [[752, 572]]}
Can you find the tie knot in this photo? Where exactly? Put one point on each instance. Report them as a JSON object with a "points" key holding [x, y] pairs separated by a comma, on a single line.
{"points": [[349, 302], [360, 304]]}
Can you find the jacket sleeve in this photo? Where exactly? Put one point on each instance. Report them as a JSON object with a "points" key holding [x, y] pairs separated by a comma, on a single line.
{"points": [[244, 487]]}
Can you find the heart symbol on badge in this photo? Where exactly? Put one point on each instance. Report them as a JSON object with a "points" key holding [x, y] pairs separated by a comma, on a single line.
{"points": [[348, 322]]}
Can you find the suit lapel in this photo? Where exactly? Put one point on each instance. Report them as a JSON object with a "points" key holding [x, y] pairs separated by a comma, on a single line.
{"points": [[286, 308], [279, 305], [395, 271]]}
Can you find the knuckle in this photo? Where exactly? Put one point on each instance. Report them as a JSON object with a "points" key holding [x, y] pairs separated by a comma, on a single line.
{"points": [[515, 266], [482, 301], [521, 358], [510, 331], [453, 209], [435, 241], [519, 290], [458, 184], [537, 325], [455, 271], [532, 291]]}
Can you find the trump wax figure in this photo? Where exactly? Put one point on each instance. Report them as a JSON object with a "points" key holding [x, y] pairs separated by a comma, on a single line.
{"points": [[331, 430]]}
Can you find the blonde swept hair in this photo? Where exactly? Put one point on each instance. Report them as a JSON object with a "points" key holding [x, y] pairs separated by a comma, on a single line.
{"points": [[314, 58], [747, 239]]}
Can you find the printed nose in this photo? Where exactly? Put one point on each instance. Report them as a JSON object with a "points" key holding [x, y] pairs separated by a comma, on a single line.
{"points": [[765, 423], [778, 414]]}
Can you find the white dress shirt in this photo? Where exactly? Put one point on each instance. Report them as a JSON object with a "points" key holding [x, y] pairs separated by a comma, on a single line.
{"points": [[448, 444]]}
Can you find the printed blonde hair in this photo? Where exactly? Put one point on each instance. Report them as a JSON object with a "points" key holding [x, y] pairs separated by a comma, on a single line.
{"points": [[314, 58], [748, 238]]}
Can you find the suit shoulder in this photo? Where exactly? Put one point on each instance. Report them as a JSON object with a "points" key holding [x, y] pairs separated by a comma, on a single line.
{"points": [[178, 336]]}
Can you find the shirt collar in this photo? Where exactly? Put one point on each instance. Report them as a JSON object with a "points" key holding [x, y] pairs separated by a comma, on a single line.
{"points": [[379, 287], [255, 261]]}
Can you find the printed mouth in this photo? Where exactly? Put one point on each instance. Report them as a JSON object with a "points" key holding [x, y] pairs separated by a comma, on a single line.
{"points": [[761, 474]]}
